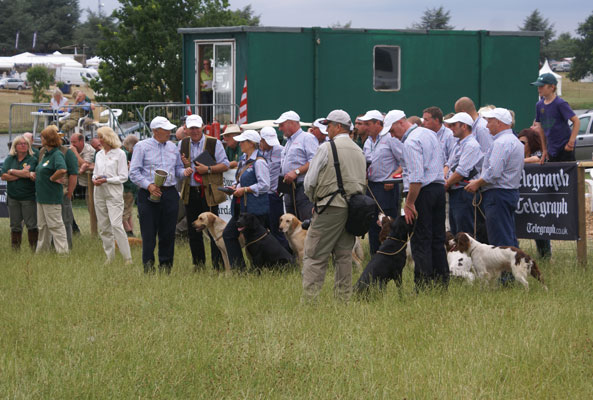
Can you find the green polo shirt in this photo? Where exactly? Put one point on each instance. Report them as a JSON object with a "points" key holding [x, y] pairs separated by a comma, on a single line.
{"points": [[71, 163], [49, 192], [23, 188], [233, 154]]}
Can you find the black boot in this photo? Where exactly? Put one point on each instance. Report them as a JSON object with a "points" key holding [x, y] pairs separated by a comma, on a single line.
{"points": [[33, 235], [15, 239]]}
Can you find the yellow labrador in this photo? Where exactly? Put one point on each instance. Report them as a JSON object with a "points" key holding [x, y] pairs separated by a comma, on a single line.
{"points": [[295, 234], [215, 226]]}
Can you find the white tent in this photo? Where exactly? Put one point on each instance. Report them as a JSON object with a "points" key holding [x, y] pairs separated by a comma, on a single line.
{"points": [[94, 62], [49, 60], [545, 69]]}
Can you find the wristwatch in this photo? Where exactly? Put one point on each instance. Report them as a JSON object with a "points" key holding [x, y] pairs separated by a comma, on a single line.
{"points": [[297, 171], [209, 170]]}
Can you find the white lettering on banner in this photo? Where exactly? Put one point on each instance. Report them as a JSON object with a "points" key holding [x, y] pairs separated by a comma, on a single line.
{"points": [[545, 230], [542, 208], [224, 208], [541, 180], [3, 198]]}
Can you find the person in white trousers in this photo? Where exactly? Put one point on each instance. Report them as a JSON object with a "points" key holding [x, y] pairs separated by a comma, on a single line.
{"points": [[109, 175]]}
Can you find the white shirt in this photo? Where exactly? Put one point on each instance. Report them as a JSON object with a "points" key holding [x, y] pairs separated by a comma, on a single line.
{"points": [[114, 167]]}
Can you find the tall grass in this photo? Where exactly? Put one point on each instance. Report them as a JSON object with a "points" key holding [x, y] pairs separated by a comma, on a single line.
{"points": [[75, 328]]}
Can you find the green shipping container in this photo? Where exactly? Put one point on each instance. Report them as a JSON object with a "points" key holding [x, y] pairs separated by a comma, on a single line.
{"points": [[315, 70]]}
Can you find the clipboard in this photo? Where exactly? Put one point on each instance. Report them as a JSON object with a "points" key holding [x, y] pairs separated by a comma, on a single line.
{"points": [[205, 159]]}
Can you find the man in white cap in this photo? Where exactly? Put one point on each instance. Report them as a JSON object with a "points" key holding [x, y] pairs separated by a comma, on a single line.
{"points": [[327, 232], [272, 152], [425, 202], [298, 151], [319, 130], [479, 129], [383, 156], [500, 179], [157, 218], [195, 197], [464, 163]]}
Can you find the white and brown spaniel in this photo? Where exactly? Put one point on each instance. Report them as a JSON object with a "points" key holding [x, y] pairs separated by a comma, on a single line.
{"points": [[490, 261], [460, 264]]}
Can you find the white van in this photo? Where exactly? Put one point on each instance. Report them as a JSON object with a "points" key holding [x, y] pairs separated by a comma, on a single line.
{"points": [[75, 75]]}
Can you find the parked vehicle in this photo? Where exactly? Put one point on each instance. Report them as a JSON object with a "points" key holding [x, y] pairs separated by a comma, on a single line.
{"points": [[584, 143], [13, 83], [75, 75], [563, 66]]}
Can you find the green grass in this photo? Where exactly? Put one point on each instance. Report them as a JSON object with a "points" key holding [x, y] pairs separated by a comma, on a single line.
{"points": [[74, 328], [578, 94]]}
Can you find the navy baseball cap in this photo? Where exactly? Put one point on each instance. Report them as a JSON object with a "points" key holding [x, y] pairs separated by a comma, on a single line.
{"points": [[545, 79]]}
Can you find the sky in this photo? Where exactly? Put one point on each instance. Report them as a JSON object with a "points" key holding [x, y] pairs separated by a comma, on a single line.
{"points": [[499, 15]]}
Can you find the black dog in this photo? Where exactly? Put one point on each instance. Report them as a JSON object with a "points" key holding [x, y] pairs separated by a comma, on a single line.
{"points": [[389, 261], [263, 247]]}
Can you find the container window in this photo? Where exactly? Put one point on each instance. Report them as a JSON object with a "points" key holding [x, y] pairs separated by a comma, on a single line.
{"points": [[386, 68]]}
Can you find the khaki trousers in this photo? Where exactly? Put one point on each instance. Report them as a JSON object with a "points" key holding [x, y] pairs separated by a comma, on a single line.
{"points": [[327, 233], [109, 207], [50, 224]]}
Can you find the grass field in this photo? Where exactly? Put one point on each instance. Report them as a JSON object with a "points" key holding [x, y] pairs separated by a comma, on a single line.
{"points": [[578, 94], [75, 328]]}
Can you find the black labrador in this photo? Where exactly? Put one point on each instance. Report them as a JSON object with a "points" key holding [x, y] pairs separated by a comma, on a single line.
{"points": [[389, 260], [263, 247]]}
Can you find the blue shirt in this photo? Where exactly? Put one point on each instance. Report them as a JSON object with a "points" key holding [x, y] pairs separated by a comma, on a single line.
{"points": [[466, 156], [197, 148], [274, 158], [482, 133], [385, 156], [262, 173], [150, 155], [298, 151], [423, 157], [503, 164], [447, 141], [554, 118]]}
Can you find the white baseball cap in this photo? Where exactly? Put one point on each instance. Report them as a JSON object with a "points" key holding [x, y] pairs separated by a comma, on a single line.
{"points": [[339, 116], [460, 117], [501, 114], [250, 135], [194, 121], [288, 116], [318, 124], [269, 135], [391, 118], [372, 114], [162, 123]]}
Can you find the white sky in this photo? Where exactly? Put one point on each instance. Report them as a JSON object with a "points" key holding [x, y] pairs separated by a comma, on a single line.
{"points": [[397, 14]]}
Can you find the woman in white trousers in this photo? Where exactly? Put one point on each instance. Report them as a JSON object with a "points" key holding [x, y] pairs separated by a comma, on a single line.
{"points": [[109, 175]]}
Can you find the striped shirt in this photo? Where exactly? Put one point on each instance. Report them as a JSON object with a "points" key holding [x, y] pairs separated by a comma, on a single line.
{"points": [[423, 157], [482, 133], [447, 141], [274, 157], [385, 156], [466, 156], [298, 151], [150, 155], [503, 164]]}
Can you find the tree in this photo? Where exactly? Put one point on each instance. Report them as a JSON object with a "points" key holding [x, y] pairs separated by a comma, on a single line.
{"points": [[563, 46], [339, 25], [142, 60], [434, 18], [88, 34], [535, 22], [583, 61], [40, 78]]}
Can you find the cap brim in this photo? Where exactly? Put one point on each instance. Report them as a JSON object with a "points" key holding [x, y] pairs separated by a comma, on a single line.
{"points": [[193, 125], [168, 126], [271, 141], [536, 83], [385, 130]]}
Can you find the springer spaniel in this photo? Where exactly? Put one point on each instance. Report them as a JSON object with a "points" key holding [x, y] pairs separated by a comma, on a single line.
{"points": [[460, 264], [491, 261]]}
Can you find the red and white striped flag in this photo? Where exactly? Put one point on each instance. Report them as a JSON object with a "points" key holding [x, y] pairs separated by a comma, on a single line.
{"points": [[187, 108], [243, 105]]}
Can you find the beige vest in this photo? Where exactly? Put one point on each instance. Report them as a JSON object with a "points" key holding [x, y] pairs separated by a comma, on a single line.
{"points": [[352, 167]]}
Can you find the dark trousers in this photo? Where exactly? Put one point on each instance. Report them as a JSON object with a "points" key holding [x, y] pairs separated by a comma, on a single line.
{"points": [[500, 206], [197, 205], [206, 97], [276, 211], [563, 156], [461, 211], [231, 241], [158, 219], [389, 202], [304, 208], [428, 241]]}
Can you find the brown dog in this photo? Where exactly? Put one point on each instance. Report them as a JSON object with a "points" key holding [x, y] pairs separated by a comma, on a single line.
{"points": [[295, 234], [215, 226]]}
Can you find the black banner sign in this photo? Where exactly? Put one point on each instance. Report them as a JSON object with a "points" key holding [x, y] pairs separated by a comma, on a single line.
{"points": [[548, 202], [3, 200]]}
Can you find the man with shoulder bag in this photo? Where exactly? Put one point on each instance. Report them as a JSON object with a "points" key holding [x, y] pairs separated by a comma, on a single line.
{"points": [[199, 191], [328, 232]]}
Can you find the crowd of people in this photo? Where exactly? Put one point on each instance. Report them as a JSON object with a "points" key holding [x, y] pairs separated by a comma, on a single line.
{"points": [[463, 169]]}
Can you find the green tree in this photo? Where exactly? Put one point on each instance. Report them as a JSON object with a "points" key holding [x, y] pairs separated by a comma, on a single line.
{"points": [[339, 25], [434, 18], [244, 16], [88, 34], [535, 22], [40, 78], [142, 59], [563, 46], [583, 61]]}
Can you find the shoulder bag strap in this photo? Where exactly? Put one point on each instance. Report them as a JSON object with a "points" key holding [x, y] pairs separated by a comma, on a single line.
{"points": [[338, 176]]}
